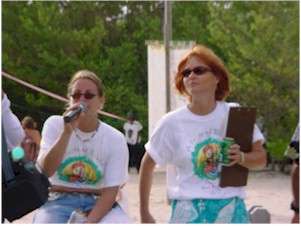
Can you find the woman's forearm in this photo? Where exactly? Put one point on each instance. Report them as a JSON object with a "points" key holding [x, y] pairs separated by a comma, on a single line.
{"points": [[51, 161], [256, 159], [145, 182], [103, 205]]}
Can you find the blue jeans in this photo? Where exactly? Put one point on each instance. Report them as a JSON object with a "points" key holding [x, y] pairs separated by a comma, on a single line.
{"points": [[59, 207]]}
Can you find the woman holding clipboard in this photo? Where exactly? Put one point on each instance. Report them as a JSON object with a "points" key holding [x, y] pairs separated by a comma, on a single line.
{"points": [[189, 141]]}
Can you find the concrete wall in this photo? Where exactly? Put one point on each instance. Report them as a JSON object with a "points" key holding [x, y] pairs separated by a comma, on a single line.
{"points": [[157, 79]]}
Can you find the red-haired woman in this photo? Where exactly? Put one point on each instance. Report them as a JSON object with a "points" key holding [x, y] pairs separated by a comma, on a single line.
{"points": [[180, 139]]}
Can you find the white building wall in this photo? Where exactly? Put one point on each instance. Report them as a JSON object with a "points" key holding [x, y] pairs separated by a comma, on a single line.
{"points": [[157, 79]]}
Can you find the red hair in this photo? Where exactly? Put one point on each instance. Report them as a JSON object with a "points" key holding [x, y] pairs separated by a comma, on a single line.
{"points": [[216, 65]]}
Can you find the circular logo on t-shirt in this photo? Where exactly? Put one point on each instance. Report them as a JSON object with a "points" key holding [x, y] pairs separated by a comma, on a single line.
{"points": [[205, 159], [79, 169]]}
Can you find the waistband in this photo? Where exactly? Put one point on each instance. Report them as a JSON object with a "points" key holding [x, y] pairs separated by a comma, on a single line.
{"points": [[62, 189]]}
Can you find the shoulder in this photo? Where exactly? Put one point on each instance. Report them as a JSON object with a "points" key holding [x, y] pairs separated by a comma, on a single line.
{"points": [[170, 117], [225, 106], [169, 120], [5, 103], [54, 121], [111, 131], [138, 124]]}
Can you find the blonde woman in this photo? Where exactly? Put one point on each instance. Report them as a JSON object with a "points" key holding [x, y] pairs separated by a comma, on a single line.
{"points": [[86, 160]]}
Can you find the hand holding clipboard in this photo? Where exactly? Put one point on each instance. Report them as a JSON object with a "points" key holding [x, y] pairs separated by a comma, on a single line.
{"points": [[240, 126]]}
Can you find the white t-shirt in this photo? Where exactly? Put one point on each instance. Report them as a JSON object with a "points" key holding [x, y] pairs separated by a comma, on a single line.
{"points": [[14, 132], [132, 132], [189, 144], [100, 162]]}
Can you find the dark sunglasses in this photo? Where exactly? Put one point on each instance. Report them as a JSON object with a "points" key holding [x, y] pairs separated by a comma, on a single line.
{"points": [[200, 70], [87, 95]]}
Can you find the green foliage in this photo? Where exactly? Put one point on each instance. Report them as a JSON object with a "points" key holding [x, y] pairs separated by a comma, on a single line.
{"points": [[260, 42], [44, 43], [277, 148]]}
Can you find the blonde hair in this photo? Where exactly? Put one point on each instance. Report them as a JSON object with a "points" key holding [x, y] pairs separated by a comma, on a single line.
{"points": [[86, 74]]}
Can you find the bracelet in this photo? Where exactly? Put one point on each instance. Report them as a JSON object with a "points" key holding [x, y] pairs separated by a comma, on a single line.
{"points": [[242, 157]]}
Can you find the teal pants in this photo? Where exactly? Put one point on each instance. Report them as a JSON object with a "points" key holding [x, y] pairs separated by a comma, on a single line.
{"points": [[231, 210]]}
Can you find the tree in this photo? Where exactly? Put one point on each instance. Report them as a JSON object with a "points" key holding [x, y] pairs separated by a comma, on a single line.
{"points": [[260, 42], [46, 42]]}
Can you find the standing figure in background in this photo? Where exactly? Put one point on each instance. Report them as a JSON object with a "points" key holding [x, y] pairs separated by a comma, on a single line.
{"points": [[85, 159], [131, 129], [14, 132], [31, 143]]}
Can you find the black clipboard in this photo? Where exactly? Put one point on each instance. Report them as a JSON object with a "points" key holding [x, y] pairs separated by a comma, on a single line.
{"points": [[240, 126]]}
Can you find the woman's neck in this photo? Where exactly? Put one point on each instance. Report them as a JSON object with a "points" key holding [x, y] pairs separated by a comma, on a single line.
{"points": [[202, 106], [88, 124]]}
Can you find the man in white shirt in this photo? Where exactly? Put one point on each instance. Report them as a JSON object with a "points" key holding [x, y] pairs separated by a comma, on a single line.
{"points": [[131, 129]]}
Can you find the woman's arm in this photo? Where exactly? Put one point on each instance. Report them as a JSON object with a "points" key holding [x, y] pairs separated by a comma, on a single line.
{"points": [[14, 132], [145, 183], [255, 159], [52, 159], [103, 204]]}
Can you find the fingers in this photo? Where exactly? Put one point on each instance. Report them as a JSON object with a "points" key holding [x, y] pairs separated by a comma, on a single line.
{"points": [[70, 126], [72, 107], [234, 154]]}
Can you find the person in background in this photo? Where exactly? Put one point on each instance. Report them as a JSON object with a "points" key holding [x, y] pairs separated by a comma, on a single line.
{"points": [[131, 129], [14, 132], [292, 152], [189, 142], [86, 160], [31, 143]]}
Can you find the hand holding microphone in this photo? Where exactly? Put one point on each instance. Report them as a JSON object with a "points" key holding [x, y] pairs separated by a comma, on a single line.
{"points": [[74, 113]]}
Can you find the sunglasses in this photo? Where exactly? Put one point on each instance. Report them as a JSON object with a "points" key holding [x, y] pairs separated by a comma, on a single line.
{"points": [[87, 95], [200, 70]]}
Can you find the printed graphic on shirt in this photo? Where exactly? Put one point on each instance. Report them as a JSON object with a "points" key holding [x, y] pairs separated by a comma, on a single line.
{"points": [[79, 169], [205, 159], [130, 133]]}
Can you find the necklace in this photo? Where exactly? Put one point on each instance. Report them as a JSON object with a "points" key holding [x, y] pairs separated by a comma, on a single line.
{"points": [[86, 140]]}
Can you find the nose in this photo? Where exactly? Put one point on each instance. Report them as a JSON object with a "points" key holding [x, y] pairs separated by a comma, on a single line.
{"points": [[82, 98], [192, 75]]}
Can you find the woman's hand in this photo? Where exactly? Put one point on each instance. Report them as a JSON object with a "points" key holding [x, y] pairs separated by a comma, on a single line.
{"points": [[103, 204], [254, 159], [70, 126], [235, 154], [146, 217]]}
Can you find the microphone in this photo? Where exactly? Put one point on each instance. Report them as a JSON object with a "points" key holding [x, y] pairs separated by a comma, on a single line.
{"points": [[70, 116]]}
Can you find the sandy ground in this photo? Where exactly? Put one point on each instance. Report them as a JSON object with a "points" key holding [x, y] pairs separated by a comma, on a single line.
{"points": [[272, 190]]}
